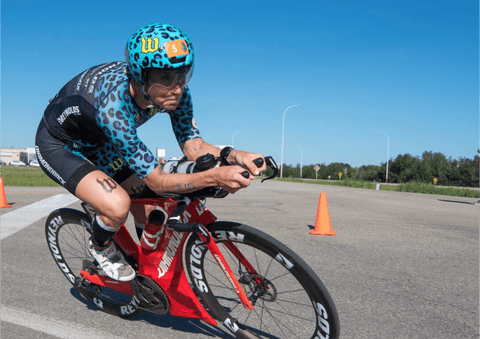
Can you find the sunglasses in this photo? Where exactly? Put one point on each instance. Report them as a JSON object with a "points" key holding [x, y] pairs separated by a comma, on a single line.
{"points": [[170, 78]]}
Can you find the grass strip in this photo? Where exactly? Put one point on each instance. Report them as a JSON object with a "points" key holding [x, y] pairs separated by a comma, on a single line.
{"points": [[411, 187], [35, 177], [26, 176]]}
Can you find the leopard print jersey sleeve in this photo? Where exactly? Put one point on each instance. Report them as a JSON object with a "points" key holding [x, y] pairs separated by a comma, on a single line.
{"points": [[183, 123]]}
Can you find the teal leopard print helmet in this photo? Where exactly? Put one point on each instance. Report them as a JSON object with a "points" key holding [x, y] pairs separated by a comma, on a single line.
{"points": [[158, 45]]}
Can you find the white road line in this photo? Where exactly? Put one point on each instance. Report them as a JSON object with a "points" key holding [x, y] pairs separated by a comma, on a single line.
{"points": [[58, 328], [16, 220]]}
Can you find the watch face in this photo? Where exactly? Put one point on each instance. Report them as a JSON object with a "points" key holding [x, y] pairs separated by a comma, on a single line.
{"points": [[225, 152]]}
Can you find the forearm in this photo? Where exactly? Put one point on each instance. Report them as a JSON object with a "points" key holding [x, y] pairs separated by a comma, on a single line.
{"points": [[161, 182], [197, 147], [227, 177]]}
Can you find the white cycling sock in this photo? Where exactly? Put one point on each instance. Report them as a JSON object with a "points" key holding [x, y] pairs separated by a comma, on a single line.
{"points": [[102, 225]]}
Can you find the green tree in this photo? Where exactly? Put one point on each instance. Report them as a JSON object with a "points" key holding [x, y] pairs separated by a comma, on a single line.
{"points": [[426, 167], [334, 168], [462, 172], [454, 178], [322, 172], [382, 172], [290, 172], [372, 173], [404, 168], [351, 173], [469, 172], [440, 168], [309, 172]]}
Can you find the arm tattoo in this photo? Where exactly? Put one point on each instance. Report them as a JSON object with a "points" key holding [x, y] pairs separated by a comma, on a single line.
{"points": [[186, 187], [108, 184], [192, 149], [189, 186]]}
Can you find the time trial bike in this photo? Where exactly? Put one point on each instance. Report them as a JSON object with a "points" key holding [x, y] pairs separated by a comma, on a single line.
{"points": [[211, 270]]}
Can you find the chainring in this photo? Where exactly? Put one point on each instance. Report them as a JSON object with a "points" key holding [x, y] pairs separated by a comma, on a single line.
{"points": [[151, 296]]}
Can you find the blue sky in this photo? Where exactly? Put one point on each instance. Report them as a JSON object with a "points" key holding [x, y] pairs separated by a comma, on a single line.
{"points": [[407, 68]]}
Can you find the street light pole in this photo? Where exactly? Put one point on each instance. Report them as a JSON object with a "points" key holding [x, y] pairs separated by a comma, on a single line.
{"points": [[283, 132], [234, 136], [388, 152]]}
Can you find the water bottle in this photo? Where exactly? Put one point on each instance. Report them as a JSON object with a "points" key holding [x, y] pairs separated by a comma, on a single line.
{"points": [[153, 229], [202, 163]]}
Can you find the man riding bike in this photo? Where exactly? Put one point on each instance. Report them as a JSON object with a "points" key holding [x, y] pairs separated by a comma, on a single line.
{"points": [[87, 140]]}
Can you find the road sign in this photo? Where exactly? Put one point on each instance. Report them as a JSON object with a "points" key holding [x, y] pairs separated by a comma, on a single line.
{"points": [[340, 175], [316, 168], [435, 180]]}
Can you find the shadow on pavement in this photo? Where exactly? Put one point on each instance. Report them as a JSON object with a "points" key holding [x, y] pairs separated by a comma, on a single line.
{"points": [[460, 202], [168, 321]]}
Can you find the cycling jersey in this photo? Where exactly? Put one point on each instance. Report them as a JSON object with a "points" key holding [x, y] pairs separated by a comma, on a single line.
{"points": [[97, 119]]}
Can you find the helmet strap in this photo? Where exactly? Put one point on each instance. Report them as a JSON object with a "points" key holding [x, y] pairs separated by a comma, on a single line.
{"points": [[147, 97]]}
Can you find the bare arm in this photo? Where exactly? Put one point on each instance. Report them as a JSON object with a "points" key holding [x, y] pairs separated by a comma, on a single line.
{"points": [[197, 147], [227, 177]]}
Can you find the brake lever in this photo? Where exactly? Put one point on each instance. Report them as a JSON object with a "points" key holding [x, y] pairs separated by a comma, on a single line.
{"points": [[273, 165], [259, 163]]}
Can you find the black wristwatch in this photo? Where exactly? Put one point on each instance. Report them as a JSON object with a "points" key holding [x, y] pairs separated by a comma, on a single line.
{"points": [[224, 153]]}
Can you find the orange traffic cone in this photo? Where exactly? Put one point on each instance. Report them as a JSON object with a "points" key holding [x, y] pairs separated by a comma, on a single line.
{"points": [[322, 223], [3, 198]]}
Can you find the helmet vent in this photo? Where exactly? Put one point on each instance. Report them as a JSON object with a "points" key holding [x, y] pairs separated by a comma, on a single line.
{"points": [[176, 60]]}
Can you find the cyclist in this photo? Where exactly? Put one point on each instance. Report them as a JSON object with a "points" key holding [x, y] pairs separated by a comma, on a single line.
{"points": [[87, 140]]}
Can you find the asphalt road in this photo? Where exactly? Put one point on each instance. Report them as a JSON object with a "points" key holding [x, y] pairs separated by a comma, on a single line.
{"points": [[401, 265]]}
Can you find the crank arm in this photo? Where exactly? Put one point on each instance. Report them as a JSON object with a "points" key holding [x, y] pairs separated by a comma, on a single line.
{"points": [[90, 293]]}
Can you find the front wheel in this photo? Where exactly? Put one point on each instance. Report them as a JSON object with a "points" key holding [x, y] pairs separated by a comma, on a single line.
{"points": [[289, 299]]}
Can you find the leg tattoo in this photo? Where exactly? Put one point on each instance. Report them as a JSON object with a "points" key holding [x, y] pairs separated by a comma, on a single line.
{"points": [[137, 189], [108, 184]]}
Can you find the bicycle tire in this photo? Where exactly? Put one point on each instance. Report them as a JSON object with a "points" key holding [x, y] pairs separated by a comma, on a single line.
{"points": [[68, 232], [295, 304]]}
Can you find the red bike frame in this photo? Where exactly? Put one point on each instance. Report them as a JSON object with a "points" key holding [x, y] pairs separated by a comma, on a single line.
{"points": [[165, 264]]}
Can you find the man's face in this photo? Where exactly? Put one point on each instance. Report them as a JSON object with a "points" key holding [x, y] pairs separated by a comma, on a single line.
{"points": [[165, 87]]}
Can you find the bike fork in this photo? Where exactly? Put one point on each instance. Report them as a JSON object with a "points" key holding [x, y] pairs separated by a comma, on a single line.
{"points": [[205, 236], [241, 258], [219, 258]]}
